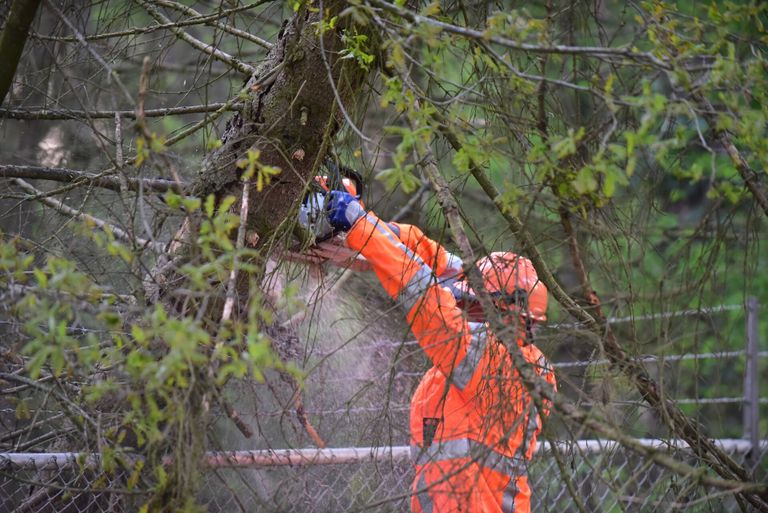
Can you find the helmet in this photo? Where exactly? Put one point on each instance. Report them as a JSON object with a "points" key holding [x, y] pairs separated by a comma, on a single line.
{"points": [[349, 185], [512, 279]]}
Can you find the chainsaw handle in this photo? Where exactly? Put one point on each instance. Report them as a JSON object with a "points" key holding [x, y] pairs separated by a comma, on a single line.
{"points": [[356, 177], [337, 171], [312, 211]]}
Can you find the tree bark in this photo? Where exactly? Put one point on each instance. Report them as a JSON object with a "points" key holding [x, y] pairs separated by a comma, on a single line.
{"points": [[12, 41]]}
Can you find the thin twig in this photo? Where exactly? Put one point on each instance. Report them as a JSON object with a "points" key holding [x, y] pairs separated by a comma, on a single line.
{"points": [[111, 73], [304, 420], [153, 28], [229, 303], [30, 427], [62, 114], [232, 284], [478, 35], [207, 120], [752, 179], [60, 207], [566, 476], [298, 404], [425, 186], [234, 416], [336, 94], [58, 174], [221, 26], [214, 52], [74, 410]]}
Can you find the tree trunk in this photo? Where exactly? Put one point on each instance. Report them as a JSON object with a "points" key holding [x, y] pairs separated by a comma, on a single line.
{"points": [[290, 117], [297, 102], [12, 41]]}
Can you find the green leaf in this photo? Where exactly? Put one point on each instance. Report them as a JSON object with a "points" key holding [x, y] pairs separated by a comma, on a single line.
{"points": [[138, 334], [191, 204], [567, 145], [41, 277], [172, 199], [36, 362], [401, 176], [210, 205], [585, 181], [23, 411], [264, 176]]}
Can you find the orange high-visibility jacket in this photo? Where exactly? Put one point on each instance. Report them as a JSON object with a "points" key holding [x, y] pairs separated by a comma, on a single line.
{"points": [[473, 424]]}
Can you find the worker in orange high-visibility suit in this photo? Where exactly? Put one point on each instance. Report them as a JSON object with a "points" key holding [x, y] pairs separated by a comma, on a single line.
{"points": [[473, 423]]}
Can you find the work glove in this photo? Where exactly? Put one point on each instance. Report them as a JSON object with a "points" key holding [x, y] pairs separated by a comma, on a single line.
{"points": [[343, 210]]}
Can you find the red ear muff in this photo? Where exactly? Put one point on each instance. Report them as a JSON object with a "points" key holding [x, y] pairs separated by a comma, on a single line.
{"points": [[470, 304], [472, 308], [518, 298]]}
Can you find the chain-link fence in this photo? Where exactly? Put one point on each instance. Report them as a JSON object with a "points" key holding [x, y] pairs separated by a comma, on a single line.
{"points": [[65, 490], [604, 476], [349, 406]]}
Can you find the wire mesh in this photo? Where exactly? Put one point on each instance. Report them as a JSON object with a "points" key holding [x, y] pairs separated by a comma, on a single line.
{"points": [[65, 490], [605, 476]]}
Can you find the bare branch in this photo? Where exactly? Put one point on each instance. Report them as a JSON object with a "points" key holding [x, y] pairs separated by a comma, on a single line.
{"points": [[227, 106], [198, 20], [74, 410], [221, 26], [752, 179], [28, 429], [214, 52], [595, 51], [413, 201], [234, 416], [60, 207], [41, 113], [232, 284], [59, 174], [111, 73]]}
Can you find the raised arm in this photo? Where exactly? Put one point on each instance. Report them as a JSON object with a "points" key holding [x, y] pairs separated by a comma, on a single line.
{"points": [[443, 262], [443, 333], [459, 349]]}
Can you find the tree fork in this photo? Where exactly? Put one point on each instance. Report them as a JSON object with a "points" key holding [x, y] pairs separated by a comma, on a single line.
{"points": [[290, 108], [289, 117]]}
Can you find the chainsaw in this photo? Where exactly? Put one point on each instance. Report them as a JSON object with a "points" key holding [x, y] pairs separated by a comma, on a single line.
{"points": [[328, 244]]}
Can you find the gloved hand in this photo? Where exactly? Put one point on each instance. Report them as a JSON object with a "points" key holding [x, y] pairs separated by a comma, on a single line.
{"points": [[343, 210]]}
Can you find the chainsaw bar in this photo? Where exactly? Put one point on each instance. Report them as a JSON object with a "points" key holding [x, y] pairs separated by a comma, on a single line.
{"points": [[333, 251]]}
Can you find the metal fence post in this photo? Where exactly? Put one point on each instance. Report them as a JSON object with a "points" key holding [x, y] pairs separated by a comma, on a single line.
{"points": [[751, 388]]}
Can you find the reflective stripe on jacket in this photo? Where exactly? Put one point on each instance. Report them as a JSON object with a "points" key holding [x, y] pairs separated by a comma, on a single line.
{"points": [[473, 424]]}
